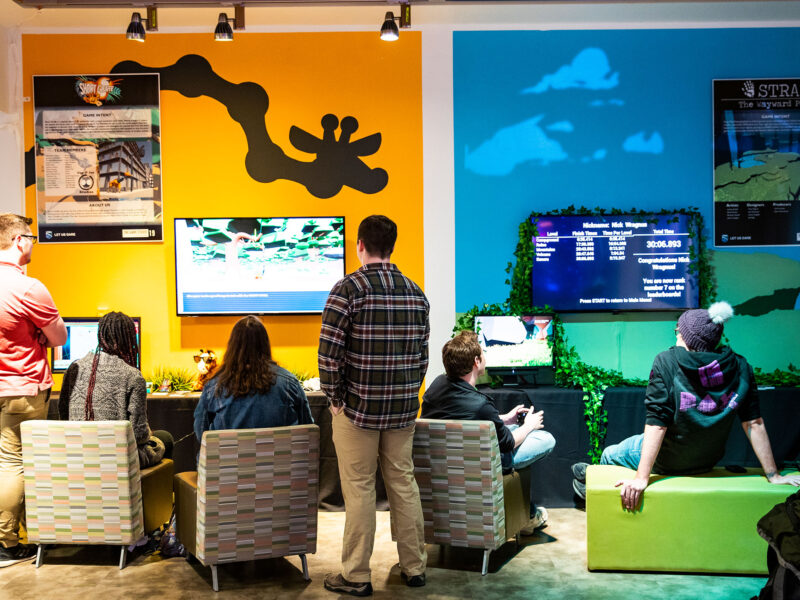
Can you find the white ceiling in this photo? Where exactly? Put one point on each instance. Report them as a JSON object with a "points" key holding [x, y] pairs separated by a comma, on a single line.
{"points": [[529, 15]]}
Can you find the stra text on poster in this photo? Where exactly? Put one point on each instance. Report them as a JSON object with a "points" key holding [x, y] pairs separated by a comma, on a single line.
{"points": [[98, 158], [756, 162]]}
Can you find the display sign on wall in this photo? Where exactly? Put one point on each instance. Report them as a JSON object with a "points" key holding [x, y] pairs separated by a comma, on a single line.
{"points": [[98, 158], [756, 162]]}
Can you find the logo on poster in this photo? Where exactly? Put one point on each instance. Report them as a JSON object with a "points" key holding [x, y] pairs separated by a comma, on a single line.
{"points": [[749, 89], [97, 91]]}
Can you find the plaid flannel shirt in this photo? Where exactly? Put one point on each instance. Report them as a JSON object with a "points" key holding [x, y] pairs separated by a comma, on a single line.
{"points": [[373, 346]]}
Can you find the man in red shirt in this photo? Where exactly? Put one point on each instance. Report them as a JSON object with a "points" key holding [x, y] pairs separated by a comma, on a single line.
{"points": [[29, 323]]}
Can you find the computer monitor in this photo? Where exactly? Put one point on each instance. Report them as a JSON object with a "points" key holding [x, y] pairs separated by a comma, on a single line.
{"points": [[518, 349], [264, 265], [82, 339]]}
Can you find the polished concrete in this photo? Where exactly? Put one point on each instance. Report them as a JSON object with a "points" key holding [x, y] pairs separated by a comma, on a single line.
{"points": [[550, 564]]}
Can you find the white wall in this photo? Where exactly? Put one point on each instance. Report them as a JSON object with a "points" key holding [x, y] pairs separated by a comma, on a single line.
{"points": [[11, 150]]}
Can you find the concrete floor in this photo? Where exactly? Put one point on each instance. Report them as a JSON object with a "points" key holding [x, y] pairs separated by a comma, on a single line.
{"points": [[548, 565]]}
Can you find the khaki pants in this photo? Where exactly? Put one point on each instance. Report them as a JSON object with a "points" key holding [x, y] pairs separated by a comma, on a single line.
{"points": [[358, 451], [13, 411]]}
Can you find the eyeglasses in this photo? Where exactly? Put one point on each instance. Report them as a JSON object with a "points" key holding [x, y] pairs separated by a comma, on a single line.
{"points": [[33, 238]]}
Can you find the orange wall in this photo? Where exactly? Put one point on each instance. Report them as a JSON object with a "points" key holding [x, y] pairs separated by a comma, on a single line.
{"points": [[306, 75]]}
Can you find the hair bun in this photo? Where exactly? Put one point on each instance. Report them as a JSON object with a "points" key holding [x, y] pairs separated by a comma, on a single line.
{"points": [[719, 312]]}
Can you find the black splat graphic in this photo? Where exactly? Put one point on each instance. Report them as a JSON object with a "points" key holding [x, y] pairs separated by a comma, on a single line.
{"points": [[337, 163]]}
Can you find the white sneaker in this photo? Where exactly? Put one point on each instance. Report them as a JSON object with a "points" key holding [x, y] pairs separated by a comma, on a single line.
{"points": [[538, 521]]}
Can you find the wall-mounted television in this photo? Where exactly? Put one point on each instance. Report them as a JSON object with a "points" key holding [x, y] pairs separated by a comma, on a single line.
{"points": [[614, 263], [82, 339], [518, 349], [237, 266]]}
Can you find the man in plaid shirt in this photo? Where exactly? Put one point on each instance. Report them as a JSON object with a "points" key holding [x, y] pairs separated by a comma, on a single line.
{"points": [[373, 354]]}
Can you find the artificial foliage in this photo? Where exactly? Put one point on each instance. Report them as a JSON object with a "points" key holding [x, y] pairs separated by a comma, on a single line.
{"points": [[181, 380], [778, 378], [570, 370]]}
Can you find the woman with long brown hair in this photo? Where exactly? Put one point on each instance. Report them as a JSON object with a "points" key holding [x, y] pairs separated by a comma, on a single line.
{"points": [[107, 385], [250, 390]]}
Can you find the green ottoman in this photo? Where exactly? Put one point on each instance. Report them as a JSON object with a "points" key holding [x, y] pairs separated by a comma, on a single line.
{"points": [[704, 523]]}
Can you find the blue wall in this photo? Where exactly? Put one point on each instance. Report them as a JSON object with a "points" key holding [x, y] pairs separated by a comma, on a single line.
{"points": [[611, 119]]}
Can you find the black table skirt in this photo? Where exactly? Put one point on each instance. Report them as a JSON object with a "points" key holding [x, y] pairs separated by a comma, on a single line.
{"points": [[551, 478]]}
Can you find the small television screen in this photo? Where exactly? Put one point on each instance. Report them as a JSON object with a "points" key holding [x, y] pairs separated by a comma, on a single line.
{"points": [[516, 342], [82, 339], [240, 266], [614, 262]]}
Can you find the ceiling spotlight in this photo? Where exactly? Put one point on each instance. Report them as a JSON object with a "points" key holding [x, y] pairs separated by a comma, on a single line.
{"points": [[223, 31], [389, 29], [135, 30]]}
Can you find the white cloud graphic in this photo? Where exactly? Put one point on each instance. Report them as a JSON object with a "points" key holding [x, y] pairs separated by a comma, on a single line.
{"points": [[511, 146], [564, 126], [638, 142], [588, 70]]}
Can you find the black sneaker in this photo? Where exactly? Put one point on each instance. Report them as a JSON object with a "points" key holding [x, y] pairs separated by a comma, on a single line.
{"points": [[14, 554], [580, 488], [413, 580], [337, 583], [579, 471]]}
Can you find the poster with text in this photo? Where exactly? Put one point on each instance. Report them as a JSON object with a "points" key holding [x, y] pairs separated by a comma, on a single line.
{"points": [[756, 162], [98, 158]]}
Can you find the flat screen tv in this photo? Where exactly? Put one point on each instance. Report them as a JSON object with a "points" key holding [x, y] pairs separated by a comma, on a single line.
{"points": [[82, 339], [614, 263], [237, 266], [518, 349]]}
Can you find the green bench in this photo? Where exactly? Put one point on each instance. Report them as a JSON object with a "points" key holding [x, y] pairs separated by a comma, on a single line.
{"points": [[702, 524]]}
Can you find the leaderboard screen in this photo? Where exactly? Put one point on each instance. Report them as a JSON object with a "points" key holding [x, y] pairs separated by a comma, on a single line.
{"points": [[614, 262]]}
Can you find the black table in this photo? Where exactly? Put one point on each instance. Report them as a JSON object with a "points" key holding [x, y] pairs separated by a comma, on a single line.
{"points": [[551, 478]]}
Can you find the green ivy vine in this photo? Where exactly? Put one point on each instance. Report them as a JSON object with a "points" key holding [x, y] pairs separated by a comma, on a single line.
{"points": [[570, 370]]}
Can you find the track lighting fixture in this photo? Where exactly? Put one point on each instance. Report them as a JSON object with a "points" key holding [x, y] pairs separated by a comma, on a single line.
{"points": [[389, 29], [136, 29], [223, 31]]}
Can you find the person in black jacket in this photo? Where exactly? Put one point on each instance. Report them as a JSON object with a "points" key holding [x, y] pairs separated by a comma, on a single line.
{"points": [[454, 396], [696, 390]]}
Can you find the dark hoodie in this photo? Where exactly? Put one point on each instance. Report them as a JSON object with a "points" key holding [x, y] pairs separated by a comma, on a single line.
{"points": [[695, 395], [448, 398]]}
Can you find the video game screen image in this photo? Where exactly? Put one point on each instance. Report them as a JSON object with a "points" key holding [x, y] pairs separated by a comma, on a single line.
{"points": [[257, 265], [614, 263], [81, 339], [513, 342]]}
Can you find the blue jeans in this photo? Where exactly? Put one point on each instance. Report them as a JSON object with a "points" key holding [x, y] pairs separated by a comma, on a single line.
{"points": [[625, 454], [536, 446]]}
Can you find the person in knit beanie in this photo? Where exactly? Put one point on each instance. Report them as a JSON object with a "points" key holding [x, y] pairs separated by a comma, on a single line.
{"points": [[697, 390], [701, 329]]}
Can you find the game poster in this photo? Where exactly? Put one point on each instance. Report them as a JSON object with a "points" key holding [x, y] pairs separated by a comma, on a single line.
{"points": [[756, 162], [98, 158]]}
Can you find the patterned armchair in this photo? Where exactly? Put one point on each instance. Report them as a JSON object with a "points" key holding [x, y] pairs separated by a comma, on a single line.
{"points": [[253, 496], [466, 499], [82, 484]]}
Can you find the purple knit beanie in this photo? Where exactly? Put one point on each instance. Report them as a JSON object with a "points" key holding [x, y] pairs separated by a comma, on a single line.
{"points": [[701, 329]]}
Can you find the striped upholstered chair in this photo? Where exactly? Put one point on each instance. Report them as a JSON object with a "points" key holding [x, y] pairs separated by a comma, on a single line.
{"points": [[253, 496], [82, 484], [466, 499]]}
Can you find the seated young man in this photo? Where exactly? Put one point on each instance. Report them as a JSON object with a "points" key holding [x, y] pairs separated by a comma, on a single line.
{"points": [[454, 396], [697, 389]]}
